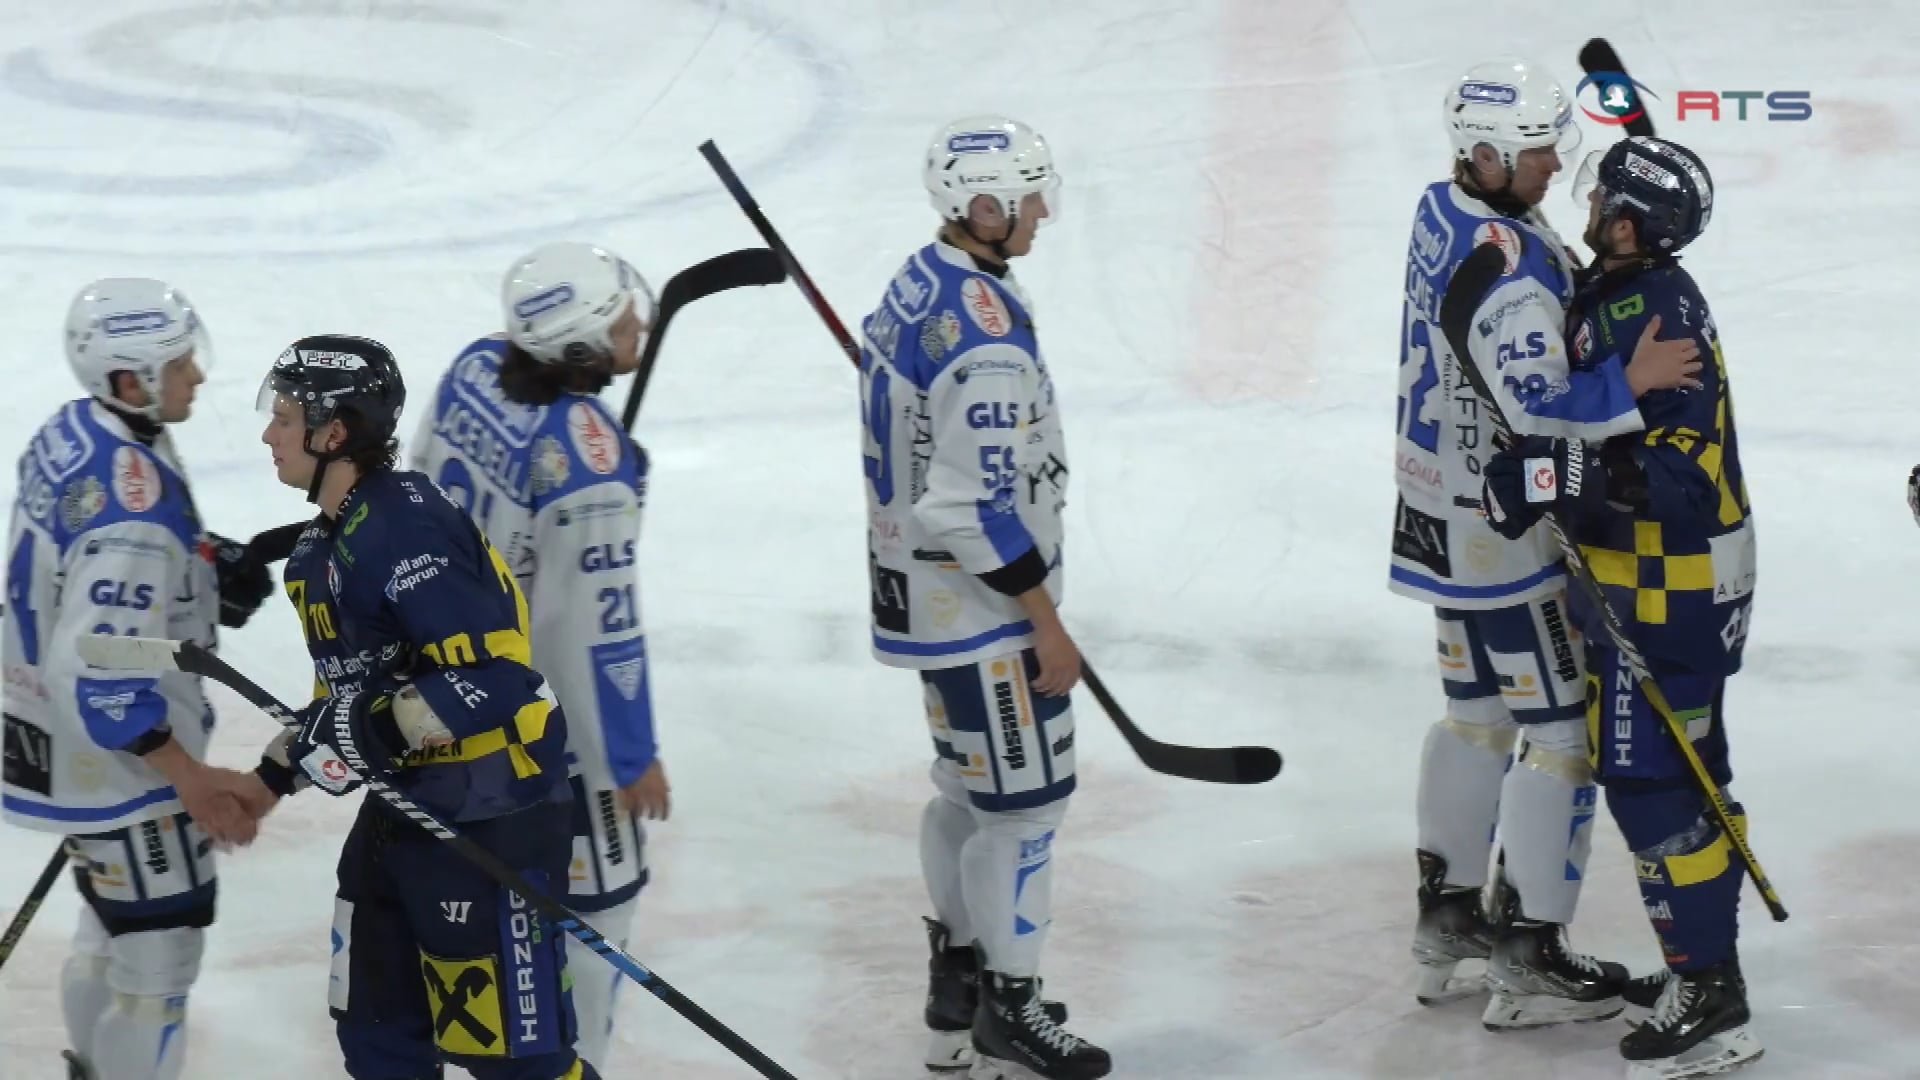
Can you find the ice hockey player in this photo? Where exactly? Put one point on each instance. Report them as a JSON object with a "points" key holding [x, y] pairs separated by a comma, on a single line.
{"points": [[1509, 660], [105, 538], [1663, 521], [517, 436], [967, 474], [418, 636]]}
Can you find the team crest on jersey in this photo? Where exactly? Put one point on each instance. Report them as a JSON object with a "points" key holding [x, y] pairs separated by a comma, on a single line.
{"points": [[1504, 237], [82, 502], [550, 468], [333, 579], [593, 438], [985, 309], [1583, 340], [625, 676], [136, 480], [940, 334]]}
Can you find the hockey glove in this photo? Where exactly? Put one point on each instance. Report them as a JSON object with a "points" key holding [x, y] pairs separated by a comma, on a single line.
{"points": [[1537, 474], [1913, 492], [339, 735], [245, 582]]}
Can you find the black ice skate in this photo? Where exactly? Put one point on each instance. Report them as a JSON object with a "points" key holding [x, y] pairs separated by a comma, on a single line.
{"points": [[1452, 927], [77, 1066], [953, 996], [1015, 1039], [1699, 1027], [1536, 977], [1642, 995]]}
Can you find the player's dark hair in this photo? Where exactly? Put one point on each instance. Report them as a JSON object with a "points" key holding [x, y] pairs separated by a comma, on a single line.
{"points": [[528, 381], [369, 457]]}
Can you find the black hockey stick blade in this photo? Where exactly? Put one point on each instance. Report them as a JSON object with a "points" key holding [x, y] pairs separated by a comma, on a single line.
{"points": [[1212, 765], [148, 654], [733, 270], [1598, 56], [1470, 284], [17, 929]]}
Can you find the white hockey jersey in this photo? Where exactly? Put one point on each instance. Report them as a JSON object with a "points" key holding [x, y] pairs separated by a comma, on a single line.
{"points": [[557, 489], [104, 539], [965, 461], [1443, 551]]}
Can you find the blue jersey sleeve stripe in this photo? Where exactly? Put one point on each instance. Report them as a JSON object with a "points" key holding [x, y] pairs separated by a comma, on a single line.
{"points": [[28, 808]]}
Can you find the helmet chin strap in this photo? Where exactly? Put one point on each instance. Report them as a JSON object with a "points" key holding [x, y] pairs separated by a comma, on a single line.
{"points": [[321, 459]]}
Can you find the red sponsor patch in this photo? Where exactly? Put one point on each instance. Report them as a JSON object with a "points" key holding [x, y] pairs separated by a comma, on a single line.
{"points": [[985, 309], [593, 439], [1505, 237], [1543, 478], [136, 480]]}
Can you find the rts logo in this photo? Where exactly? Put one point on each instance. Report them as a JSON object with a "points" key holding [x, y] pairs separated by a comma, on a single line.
{"points": [[1621, 99]]}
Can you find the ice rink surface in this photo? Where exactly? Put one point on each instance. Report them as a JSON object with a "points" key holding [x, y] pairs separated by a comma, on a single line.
{"points": [[1219, 306]]}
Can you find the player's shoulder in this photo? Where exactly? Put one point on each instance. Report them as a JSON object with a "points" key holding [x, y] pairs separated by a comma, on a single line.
{"points": [[577, 444], [85, 471], [973, 319], [472, 383]]}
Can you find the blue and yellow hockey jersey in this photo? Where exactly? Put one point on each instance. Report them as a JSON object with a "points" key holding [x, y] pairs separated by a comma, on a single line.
{"points": [[1679, 568]]}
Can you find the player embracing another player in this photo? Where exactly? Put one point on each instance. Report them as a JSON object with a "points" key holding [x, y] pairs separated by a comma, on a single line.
{"points": [[1510, 657], [1662, 519]]}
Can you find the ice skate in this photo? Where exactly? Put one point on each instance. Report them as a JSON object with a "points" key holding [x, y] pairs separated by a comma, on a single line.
{"points": [[1014, 1038], [77, 1067], [1452, 928], [1537, 979], [1699, 1027], [953, 996]]}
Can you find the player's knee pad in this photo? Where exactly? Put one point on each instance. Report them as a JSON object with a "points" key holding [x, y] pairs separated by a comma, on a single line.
{"points": [[1547, 805], [1688, 870], [155, 963]]}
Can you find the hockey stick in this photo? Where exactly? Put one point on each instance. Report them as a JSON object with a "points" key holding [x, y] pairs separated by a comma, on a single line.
{"points": [[1597, 57], [1226, 765], [17, 929], [1471, 282], [151, 654], [734, 270]]}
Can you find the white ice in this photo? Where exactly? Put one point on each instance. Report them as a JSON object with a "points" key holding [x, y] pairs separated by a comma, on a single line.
{"points": [[1220, 305]]}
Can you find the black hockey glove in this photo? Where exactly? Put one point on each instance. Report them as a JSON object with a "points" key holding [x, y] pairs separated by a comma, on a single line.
{"points": [[1536, 474], [1913, 492], [245, 581], [335, 732]]}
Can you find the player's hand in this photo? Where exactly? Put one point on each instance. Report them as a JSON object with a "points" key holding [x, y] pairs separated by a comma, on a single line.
{"points": [[1663, 365], [210, 797], [253, 793], [1059, 658], [1537, 474], [649, 797]]}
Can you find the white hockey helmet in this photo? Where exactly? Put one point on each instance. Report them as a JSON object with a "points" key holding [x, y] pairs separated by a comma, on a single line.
{"points": [[993, 156], [136, 325], [1511, 106], [561, 299]]}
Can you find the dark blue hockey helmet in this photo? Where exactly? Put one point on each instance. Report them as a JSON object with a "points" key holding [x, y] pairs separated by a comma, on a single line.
{"points": [[1663, 188]]}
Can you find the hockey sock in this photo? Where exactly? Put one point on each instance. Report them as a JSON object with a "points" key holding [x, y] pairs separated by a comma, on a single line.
{"points": [[946, 825], [1689, 880], [141, 1038], [1460, 768], [1006, 872], [84, 994], [1546, 820], [596, 983]]}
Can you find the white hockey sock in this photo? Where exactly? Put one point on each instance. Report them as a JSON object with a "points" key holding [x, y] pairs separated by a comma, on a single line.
{"points": [[1460, 769], [84, 994], [945, 828], [1006, 870], [1546, 820], [596, 984], [141, 1038]]}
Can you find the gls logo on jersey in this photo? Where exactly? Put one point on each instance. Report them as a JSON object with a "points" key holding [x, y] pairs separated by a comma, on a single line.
{"points": [[109, 593], [987, 415], [603, 557], [1534, 346]]}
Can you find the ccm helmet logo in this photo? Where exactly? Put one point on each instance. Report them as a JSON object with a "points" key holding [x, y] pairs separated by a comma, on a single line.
{"points": [[135, 322], [975, 142], [543, 302], [1488, 93]]}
